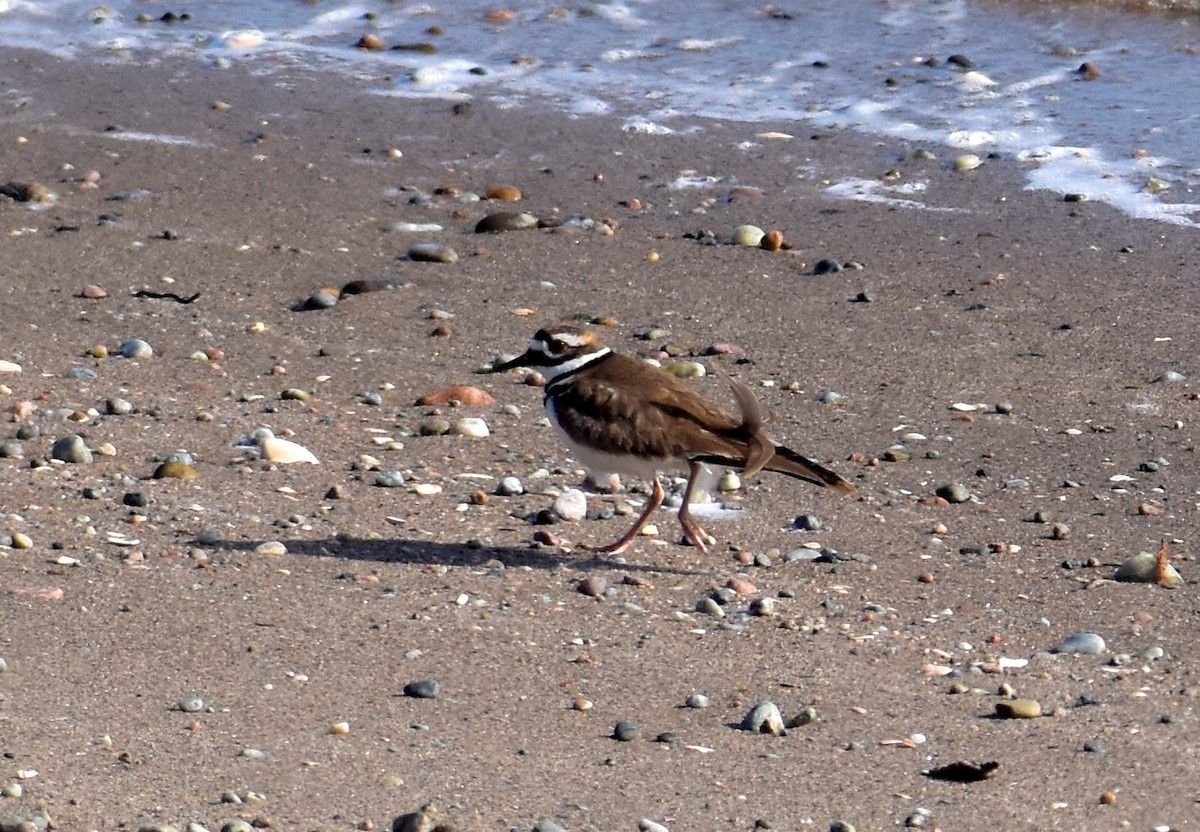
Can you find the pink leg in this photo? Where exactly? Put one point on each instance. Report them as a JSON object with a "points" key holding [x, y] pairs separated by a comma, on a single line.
{"points": [[691, 529], [656, 500]]}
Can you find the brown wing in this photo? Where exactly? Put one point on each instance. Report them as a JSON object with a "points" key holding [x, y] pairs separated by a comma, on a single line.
{"points": [[633, 408], [630, 407]]}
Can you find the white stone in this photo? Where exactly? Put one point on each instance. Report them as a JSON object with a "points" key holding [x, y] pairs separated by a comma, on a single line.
{"points": [[472, 426], [571, 505], [283, 451]]}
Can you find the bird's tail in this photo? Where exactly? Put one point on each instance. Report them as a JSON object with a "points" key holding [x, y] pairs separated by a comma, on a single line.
{"points": [[786, 461], [764, 455]]}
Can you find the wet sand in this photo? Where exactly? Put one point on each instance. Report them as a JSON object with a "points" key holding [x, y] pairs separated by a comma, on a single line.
{"points": [[1068, 312]]}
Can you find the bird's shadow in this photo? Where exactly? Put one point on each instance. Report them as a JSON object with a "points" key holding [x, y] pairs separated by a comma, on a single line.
{"points": [[402, 551]]}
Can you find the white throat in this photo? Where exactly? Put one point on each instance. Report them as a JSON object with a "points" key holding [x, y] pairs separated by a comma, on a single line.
{"points": [[555, 371]]}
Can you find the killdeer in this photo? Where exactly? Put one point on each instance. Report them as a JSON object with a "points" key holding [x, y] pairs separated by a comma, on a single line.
{"points": [[620, 415]]}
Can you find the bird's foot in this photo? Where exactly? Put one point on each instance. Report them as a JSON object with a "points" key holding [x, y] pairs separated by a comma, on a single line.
{"points": [[694, 533]]}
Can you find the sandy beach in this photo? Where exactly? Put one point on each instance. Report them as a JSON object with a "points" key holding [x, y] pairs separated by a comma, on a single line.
{"points": [[234, 646]]}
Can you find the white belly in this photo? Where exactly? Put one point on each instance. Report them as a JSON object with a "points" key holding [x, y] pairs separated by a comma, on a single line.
{"points": [[601, 464]]}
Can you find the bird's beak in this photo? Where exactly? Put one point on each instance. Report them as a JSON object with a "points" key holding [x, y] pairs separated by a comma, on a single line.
{"points": [[522, 360]]}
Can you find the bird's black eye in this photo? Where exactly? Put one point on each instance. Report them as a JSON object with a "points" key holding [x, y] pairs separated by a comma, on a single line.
{"points": [[557, 346]]}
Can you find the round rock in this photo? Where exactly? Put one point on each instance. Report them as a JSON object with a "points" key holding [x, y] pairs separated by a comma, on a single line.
{"points": [[954, 493], [71, 449], [423, 689], [764, 718], [1019, 709], [471, 426], [175, 469], [389, 479], [432, 253], [1142, 568], [593, 586], [510, 487], [506, 221], [571, 505], [625, 731], [1088, 644], [749, 236], [136, 348], [322, 299]]}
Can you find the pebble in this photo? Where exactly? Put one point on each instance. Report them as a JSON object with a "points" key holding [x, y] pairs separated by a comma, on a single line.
{"points": [[506, 221], [422, 820], [686, 369], [26, 191], [807, 523], [282, 451], [625, 731], [192, 703], [749, 236], [827, 266], [9, 367], [271, 548], [548, 826], [1089, 644], [389, 479], [772, 240], [415, 227], [423, 689], [428, 489], [432, 253], [20, 540], [593, 586], [322, 299], [83, 373], [510, 487], [967, 162], [11, 449], [504, 193], [764, 718], [71, 449], [954, 493], [117, 406], [471, 426], [696, 700], [463, 394], [1019, 709], [1142, 568], [1060, 531], [136, 348], [807, 716], [842, 826], [571, 505], [729, 481], [434, 427], [174, 470], [741, 586]]}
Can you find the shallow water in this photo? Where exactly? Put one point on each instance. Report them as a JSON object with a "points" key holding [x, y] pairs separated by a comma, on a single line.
{"points": [[1130, 137]]}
